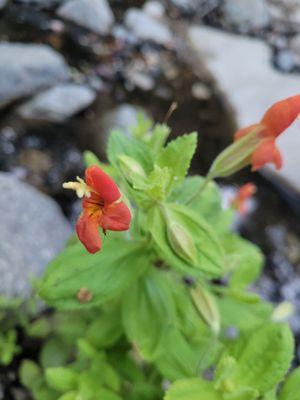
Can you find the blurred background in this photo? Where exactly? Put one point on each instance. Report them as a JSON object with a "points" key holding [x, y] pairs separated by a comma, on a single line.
{"points": [[72, 70]]}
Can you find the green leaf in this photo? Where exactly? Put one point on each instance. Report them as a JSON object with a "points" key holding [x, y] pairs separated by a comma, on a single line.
{"points": [[265, 358], [291, 387], [178, 357], [105, 330], [158, 137], [192, 389], [61, 379], [29, 373], [55, 352], [103, 276], [243, 259], [253, 314], [178, 155], [148, 310], [207, 203], [120, 144], [91, 159], [209, 255]]}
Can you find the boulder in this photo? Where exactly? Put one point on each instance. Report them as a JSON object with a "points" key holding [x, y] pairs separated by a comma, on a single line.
{"points": [[146, 27], [95, 15], [58, 103], [33, 230], [27, 68]]}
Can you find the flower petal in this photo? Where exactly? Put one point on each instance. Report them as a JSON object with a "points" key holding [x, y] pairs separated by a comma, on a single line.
{"points": [[102, 184], [266, 152], [88, 234], [116, 217], [281, 115]]}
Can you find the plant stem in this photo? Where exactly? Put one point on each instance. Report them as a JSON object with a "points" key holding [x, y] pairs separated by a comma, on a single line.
{"points": [[208, 178]]}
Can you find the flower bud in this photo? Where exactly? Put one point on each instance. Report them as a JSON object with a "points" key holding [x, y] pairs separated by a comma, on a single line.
{"points": [[132, 170], [182, 242], [237, 155], [206, 305]]}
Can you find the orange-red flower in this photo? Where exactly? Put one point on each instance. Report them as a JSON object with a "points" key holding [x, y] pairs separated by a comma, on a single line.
{"points": [[241, 199], [275, 121], [102, 207]]}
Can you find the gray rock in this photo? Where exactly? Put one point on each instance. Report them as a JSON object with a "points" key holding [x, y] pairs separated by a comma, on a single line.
{"points": [[145, 27], [154, 8], [94, 15], [286, 60], [2, 4], [27, 68], [33, 230], [243, 70], [247, 14], [58, 103], [123, 117]]}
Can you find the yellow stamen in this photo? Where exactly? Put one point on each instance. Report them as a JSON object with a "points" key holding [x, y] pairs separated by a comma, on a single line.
{"points": [[80, 187]]}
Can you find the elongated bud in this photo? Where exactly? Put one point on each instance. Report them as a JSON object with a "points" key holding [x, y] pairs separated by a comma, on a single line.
{"points": [[131, 168], [182, 242], [237, 155], [206, 305]]}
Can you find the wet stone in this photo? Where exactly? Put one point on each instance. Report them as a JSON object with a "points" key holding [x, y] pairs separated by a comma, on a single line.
{"points": [[58, 103], [33, 231], [95, 15], [27, 68], [145, 27]]}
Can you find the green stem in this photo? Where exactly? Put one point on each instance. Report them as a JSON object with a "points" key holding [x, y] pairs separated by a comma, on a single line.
{"points": [[207, 180]]}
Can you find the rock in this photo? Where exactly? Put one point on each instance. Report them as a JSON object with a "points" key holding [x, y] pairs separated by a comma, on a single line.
{"points": [[243, 70], [27, 68], [33, 230], [286, 60], [2, 4], [58, 103], [146, 27], [154, 8], [95, 15], [123, 117], [247, 14], [139, 79], [295, 47], [200, 91]]}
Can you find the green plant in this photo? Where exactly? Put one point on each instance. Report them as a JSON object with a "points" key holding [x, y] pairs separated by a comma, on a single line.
{"points": [[166, 303]]}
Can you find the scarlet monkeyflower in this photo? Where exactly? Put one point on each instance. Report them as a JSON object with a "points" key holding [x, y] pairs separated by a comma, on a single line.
{"points": [[102, 207], [240, 200], [275, 121]]}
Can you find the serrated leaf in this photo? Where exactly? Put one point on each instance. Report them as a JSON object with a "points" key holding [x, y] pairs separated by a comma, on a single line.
{"points": [[104, 276], [192, 389], [148, 309], [119, 144], [265, 358], [209, 255], [177, 156], [158, 137], [291, 388]]}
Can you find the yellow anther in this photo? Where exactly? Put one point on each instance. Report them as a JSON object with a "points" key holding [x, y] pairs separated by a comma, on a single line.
{"points": [[80, 187]]}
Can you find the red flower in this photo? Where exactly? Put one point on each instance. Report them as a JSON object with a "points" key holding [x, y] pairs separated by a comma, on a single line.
{"points": [[275, 121], [241, 198], [102, 207]]}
